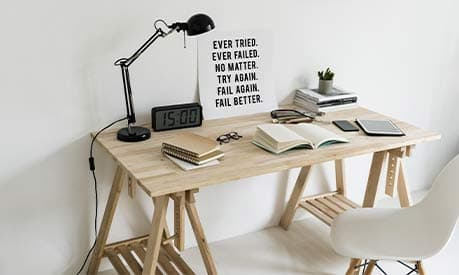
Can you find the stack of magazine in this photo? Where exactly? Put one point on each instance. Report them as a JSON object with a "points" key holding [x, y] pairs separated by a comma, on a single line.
{"points": [[190, 151], [312, 100]]}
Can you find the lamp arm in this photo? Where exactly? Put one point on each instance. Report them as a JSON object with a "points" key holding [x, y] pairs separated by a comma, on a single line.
{"points": [[124, 63], [159, 33]]}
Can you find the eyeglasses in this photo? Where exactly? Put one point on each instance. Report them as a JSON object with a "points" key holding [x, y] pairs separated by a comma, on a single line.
{"points": [[293, 116], [226, 138]]}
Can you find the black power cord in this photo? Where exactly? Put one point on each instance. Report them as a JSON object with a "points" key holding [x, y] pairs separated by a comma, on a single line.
{"points": [[92, 167]]}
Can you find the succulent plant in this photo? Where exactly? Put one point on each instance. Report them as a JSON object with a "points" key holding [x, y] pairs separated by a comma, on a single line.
{"points": [[326, 75]]}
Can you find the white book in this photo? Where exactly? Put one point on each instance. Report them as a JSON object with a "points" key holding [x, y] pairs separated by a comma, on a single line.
{"points": [[318, 109], [315, 96], [278, 138], [190, 166]]}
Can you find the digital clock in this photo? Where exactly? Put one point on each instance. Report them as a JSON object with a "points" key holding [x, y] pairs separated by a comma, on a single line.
{"points": [[176, 116]]}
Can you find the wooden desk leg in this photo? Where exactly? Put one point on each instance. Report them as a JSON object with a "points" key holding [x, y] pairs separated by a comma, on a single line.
{"points": [[295, 197], [340, 177], [104, 229], [179, 220], [199, 232], [402, 188], [156, 234], [373, 178]]}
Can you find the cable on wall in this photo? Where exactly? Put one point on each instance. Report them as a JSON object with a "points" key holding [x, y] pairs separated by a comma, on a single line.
{"points": [[92, 167]]}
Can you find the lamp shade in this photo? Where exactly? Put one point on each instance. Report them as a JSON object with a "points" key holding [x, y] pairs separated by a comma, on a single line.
{"points": [[199, 23]]}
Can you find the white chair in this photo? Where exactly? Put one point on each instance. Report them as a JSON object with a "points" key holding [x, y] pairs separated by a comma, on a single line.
{"points": [[407, 234]]}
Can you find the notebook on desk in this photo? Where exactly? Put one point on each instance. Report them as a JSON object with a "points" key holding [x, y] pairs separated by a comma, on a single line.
{"points": [[278, 138], [192, 148], [191, 144]]}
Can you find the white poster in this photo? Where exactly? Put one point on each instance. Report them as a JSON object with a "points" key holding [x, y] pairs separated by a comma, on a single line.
{"points": [[235, 73]]}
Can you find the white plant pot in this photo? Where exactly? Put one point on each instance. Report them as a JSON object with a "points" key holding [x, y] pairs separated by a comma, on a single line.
{"points": [[325, 86]]}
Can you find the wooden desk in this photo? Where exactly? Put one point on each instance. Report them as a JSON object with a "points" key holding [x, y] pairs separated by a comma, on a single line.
{"points": [[142, 164]]}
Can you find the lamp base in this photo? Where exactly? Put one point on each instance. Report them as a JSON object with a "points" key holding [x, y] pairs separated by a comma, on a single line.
{"points": [[138, 134]]}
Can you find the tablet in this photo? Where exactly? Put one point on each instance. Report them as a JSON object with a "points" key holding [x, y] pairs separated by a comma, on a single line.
{"points": [[379, 127]]}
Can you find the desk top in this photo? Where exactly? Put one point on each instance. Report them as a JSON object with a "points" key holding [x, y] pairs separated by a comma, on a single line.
{"points": [[157, 175]]}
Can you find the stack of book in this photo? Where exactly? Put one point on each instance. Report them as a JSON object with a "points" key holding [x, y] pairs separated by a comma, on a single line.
{"points": [[312, 100], [190, 151]]}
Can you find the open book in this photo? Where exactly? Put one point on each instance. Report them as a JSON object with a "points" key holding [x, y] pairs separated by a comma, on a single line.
{"points": [[278, 138]]}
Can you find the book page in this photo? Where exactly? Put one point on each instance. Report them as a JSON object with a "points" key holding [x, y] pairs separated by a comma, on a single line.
{"points": [[279, 133], [316, 134]]}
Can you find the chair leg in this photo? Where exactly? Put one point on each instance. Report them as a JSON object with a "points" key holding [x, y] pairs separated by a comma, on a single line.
{"points": [[370, 267], [420, 268], [354, 267]]}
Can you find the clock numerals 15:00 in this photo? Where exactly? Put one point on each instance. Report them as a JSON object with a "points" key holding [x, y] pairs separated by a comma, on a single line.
{"points": [[176, 116], [182, 117]]}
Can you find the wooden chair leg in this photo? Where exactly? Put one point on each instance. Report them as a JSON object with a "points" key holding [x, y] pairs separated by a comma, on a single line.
{"points": [[104, 229], [370, 193], [370, 267], [295, 197], [420, 268], [353, 269], [156, 234], [199, 233]]}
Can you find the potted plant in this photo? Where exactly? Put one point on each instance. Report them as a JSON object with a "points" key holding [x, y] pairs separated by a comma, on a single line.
{"points": [[326, 81]]}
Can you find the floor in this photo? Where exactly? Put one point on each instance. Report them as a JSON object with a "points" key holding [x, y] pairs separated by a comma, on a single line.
{"points": [[304, 249]]}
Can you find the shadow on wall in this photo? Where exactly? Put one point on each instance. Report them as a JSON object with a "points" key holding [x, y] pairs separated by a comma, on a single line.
{"points": [[47, 212]]}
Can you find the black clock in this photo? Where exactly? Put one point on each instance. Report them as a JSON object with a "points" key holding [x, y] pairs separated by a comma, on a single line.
{"points": [[176, 116]]}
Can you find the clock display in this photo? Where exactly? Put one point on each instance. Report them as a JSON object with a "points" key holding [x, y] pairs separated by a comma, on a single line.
{"points": [[176, 116]]}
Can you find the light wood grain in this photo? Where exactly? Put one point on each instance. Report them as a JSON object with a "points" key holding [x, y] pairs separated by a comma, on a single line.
{"points": [[353, 269], [179, 220], [154, 241], [166, 264], [339, 203], [373, 178], [410, 150], [294, 199], [330, 205], [106, 221], [340, 176], [131, 187], [130, 260], [321, 195], [323, 208], [116, 262], [316, 212], [393, 166], [138, 250], [347, 201], [420, 268], [402, 188], [127, 242], [326, 207], [199, 233], [178, 261], [159, 176], [370, 267]]}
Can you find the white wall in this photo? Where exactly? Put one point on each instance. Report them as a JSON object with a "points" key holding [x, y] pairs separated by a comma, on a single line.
{"points": [[58, 84]]}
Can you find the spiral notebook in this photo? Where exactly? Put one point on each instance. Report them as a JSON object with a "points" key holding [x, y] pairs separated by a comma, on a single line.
{"points": [[191, 144], [192, 148]]}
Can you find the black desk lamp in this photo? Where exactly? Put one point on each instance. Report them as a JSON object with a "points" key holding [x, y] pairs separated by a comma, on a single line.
{"points": [[197, 24]]}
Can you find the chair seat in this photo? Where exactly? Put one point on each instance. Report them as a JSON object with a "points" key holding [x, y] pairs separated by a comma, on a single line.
{"points": [[375, 233]]}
